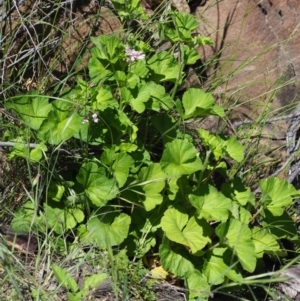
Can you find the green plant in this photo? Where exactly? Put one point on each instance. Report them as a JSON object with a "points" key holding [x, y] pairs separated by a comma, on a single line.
{"points": [[140, 179], [75, 293]]}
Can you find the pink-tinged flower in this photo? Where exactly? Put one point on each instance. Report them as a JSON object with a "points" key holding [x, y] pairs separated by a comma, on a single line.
{"points": [[95, 118], [133, 55]]}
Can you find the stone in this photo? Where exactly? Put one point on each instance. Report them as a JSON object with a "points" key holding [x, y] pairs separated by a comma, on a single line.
{"points": [[254, 66], [291, 287], [257, 43]]}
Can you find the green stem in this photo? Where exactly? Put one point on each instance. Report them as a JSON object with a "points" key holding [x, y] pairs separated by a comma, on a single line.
{"points": [[214, 246], [255, 215], [208, 153], [214, 168], [181, 66]]}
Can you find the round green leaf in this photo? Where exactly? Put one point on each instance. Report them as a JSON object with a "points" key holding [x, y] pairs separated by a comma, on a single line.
{"points": [[33, 108], [110, 233], [121, 167], [216, 269], [276, 194], [175, 259], [196, 102], [61, 124], [97, 70], [97, 186], [164, 67], [104, 99], [197, 286], [181, 230], [61, 220], [180, 158], [210, 203], [264, 242], [152, 180], [240, 240]]}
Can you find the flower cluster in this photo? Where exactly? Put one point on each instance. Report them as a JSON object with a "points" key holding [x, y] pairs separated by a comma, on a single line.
{"points": [[95, 119], [133, 55]]}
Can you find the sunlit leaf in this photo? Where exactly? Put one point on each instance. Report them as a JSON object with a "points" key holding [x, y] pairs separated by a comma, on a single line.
{"points": [[61, 124], [222, 146], [104, 99], [197, 286], [139, 68], [152, 180], [179, 158], [64, 278], [191, 56], [215, 144], [185, 24], [245, 215], [237, 191], [62, 219], [121, 166], [175, 259], [210, 203], [216, 269], [109, 48], [264, 242], [164, 67], [22, 150], [184, 231], [159, 98], [109, 233], [276, 194], [132, 80], [201, 41], [138, 100], [93, 281], [97, 70], [55, 191], [97, 186], [33, 108], [196, 102], [240, 240], [234, 149]]}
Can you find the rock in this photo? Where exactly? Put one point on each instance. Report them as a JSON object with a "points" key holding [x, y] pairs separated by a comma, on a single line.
{"points": [[291, 287], [254, 65], [257, 44]]}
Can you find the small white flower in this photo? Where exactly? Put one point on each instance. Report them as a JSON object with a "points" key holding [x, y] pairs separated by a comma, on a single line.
{"points": [[133, 55], [85, 121], [95, 118]]}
